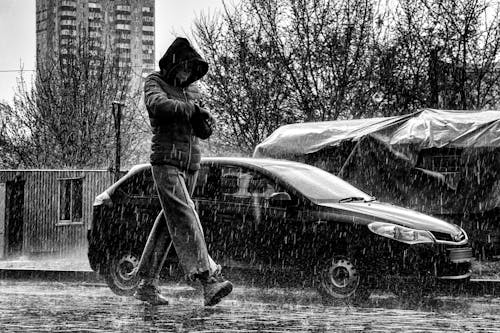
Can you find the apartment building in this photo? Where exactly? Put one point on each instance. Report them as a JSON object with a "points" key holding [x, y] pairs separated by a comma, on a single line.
{"points": [[123, 27]]}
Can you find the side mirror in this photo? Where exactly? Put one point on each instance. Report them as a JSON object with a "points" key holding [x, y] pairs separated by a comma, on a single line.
{"points": [[280, 198]]}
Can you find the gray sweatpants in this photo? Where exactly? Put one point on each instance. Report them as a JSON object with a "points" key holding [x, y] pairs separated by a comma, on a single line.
{"points": [[178, 219]]}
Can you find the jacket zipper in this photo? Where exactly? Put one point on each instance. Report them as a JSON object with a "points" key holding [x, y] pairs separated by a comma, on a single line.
{"points": [[190, 133]]}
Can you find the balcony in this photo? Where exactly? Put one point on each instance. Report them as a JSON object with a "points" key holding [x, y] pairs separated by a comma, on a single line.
{"points": [[123, 27], [123, 8], [67, 13], [123, 46], [95, 5], [68, 22], [67, 32]]}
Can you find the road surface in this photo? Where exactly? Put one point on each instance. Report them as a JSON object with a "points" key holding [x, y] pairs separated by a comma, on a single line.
{"points": [[40, 306]]}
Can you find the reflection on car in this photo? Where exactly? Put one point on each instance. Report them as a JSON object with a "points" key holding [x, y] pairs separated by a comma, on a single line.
{"points": [[288, 222]]}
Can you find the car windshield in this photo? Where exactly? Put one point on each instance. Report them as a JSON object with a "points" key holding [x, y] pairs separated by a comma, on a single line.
{"points": [[318, 185]]}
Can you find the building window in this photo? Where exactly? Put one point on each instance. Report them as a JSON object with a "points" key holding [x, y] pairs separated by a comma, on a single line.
{"points": [[147, 11], [95, 34], [67, 8], [123, 8], [95, 16], [70, 199], [123, 17], [68, 27]]}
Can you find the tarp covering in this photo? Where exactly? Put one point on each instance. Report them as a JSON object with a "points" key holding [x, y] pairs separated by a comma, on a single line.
{"points": [[440, 162], [427, 128]]}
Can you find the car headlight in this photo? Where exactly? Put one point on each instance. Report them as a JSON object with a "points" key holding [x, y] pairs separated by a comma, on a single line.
{"points": [[401, 234]]}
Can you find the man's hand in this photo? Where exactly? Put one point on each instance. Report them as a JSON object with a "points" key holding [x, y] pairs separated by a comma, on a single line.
{"points": [[202, 122]]}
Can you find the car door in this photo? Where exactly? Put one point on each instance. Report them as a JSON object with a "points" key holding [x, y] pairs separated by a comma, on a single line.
{"points": [[224, 206], [275, 227], [138, 205]]}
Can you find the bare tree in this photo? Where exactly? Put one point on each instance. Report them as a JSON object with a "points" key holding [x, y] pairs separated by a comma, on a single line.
{"points": [[282, 61], [327, 49], [65, 119], [278, 62], [456, 46], [246, 82]]}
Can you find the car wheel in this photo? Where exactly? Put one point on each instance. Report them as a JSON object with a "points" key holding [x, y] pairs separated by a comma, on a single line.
{"points": [[340, 280], [120, 275]]}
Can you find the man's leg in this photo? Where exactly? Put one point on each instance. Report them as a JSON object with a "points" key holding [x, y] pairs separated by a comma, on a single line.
{"points": [[191, 178], [152, 259], [187, 234]]}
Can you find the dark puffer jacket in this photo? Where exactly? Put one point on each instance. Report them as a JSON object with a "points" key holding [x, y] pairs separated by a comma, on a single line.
{"points": [[170, 108]]}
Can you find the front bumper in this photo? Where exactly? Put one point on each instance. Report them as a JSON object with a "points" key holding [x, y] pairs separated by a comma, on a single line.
{"points": [[420, 261], [456, 264]]}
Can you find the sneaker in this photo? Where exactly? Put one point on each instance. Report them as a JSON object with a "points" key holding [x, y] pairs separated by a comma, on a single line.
{"points": [[147, 292], [215, 288]]}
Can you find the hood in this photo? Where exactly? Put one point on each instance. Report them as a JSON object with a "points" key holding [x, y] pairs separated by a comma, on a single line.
{"points": [[177, 53], [375, 211]]}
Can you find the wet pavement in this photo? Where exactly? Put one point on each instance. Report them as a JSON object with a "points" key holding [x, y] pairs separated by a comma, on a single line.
{"points": [[30, 306]]}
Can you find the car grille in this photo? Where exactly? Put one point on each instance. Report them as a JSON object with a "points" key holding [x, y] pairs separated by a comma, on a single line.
{"points": [[459, 255], [442, 236]]}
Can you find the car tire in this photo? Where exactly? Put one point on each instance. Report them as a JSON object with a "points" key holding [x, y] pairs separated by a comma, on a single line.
{"points": [[120, 276], [340, 280]]}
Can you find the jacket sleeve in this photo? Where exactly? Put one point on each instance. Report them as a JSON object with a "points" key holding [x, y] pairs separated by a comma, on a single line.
{"points": [[161, 106]]}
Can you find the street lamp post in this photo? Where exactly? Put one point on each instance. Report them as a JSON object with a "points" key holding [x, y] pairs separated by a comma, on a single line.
{"points": [[116, 109]]}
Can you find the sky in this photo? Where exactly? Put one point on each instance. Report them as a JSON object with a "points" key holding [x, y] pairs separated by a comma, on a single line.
{"points": [[18, 34]]}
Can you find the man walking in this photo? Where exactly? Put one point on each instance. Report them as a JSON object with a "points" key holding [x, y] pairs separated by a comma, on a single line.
{"points": [[177, 124]]}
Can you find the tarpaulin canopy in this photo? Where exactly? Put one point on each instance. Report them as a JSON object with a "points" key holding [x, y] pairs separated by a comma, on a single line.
{"points": [[427, 128], [435, 161]]}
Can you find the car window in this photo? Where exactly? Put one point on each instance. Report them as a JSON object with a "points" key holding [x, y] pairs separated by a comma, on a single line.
{"points": [[262, 187], [235, 182], [224, 182], [239, 182], [140, 184], [208, 183]]}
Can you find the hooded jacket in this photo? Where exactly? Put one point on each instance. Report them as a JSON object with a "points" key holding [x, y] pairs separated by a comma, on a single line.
{"points": [[170, 108]]}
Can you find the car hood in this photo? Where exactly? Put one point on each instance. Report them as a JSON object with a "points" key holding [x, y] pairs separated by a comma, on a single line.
{"points": [[375, 211]]}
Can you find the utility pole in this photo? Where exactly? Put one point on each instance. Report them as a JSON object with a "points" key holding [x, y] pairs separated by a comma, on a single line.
{"points": [[116, 109]]}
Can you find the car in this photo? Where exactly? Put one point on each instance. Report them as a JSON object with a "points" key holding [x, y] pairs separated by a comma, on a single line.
{"points": [[275, 219]]}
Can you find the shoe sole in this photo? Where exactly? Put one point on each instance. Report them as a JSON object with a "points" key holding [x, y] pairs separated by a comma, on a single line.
{"points": [[219, 295]]}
